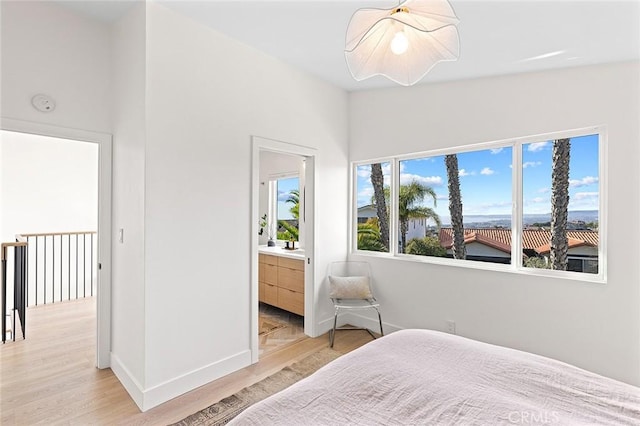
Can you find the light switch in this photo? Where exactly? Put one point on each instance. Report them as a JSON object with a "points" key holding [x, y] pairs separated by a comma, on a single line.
{"points": [[121, 235]]}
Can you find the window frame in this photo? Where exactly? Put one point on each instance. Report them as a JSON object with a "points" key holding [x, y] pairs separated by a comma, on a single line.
{"points": [[516, 265], [272, 220]]}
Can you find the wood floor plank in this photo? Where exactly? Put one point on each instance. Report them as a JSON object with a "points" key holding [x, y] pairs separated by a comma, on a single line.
{"points": [[53, 380]]}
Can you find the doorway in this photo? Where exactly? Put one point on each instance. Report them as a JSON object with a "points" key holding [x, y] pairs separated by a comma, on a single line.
{"points": [[282, 290], [66, 244]]}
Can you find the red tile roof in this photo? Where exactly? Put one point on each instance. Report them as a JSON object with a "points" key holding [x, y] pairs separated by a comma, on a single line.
{"points": [[532, 239]]}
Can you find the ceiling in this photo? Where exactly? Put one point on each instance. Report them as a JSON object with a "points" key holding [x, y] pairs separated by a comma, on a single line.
{"points": [[496, 37]]}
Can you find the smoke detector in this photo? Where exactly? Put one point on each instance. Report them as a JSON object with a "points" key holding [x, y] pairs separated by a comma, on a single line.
{"points": [[43, 103]]}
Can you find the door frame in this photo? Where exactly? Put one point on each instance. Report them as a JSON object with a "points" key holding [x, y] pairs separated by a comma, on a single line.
{"points": [[258, 144], [103, 291]]}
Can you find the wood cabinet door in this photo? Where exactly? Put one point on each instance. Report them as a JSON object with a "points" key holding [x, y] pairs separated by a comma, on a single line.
{"points": [[291, 301], [291, 279], [270, 294]]}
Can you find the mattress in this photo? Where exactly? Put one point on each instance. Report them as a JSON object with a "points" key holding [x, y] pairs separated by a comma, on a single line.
{"points": [[423, 377]]}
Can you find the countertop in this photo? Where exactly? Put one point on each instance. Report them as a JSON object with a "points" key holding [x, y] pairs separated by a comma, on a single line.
{"points": [[279, 251]]}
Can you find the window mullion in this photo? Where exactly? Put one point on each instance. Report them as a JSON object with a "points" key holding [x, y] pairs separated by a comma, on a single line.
{"points": [[394, 186], [517, 208]]}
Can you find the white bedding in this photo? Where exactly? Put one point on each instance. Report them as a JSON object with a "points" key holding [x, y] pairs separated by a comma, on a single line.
{"points": [[422, 377]]}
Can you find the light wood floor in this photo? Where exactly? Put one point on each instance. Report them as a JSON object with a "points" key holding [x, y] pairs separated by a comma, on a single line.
{"points": [[277, 339], [50, 377]]}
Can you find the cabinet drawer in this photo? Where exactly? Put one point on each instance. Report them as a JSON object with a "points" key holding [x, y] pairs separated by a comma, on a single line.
{"points": [[270, 294], [270, 274], [261, 291], [291, 301], [268, 259], [291, 263], [291, 279], [260, 272]]}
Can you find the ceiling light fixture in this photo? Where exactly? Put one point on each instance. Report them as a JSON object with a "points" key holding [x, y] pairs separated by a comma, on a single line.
{"points": [[402, 43]]}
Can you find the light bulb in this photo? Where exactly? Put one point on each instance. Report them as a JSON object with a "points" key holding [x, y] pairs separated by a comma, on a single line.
{"points": [[400, 43]]}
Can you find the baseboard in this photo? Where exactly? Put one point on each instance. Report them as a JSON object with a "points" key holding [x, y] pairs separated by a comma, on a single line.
{"points": [[170, 389], [146, 399], [357, 321], [131, 385]]}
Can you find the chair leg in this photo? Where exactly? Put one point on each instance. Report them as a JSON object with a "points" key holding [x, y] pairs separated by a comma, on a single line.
{"points": [[332, 334], [380, 319]]}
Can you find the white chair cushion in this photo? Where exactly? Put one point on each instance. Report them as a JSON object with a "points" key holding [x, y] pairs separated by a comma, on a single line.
{"points": [[349, 287]]}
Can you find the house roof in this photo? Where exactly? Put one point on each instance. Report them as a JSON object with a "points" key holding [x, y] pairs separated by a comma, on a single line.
{"points": [[573, 243], [532, 239]]}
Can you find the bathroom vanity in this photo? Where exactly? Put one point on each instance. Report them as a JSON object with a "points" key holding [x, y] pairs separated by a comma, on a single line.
{"points": [[281, 278]]}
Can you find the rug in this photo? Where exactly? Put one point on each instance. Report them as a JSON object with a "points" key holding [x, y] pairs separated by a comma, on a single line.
{"points": [[226, 409], [269, 326]]}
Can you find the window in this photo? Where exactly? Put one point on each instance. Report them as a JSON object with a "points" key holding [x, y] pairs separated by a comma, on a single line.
{"points": [[556, 174], [286, 199], [372, 199], [459, 206], [467, 191]]}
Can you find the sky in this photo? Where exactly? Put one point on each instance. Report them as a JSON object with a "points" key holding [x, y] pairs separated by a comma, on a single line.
{"points": [[285, 186], [486, 178]]}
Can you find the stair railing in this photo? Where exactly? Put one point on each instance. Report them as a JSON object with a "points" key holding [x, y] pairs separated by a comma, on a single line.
{"points": [[20, 254]]}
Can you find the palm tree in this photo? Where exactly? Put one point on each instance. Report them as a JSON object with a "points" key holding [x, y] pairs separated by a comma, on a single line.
{"points": [[408, 208], [294, 198], [455, 207], [291, 230], [377, 180], [369, 236], [560, 203]]}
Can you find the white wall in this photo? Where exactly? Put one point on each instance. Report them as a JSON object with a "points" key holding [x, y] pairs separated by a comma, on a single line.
{"points": [[51, 185], [129, 135], [594, 326], [49, 49], [206, 96]]}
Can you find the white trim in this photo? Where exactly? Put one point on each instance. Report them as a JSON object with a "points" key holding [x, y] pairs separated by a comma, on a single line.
{"points": [[128, 381], [358, 320], [516, 265], [603, 194], [146, 399], [257, 144], [516, 211], [103, 308], [184, 383], [273, 204]]}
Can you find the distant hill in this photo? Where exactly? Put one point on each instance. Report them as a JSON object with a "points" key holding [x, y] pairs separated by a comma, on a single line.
{"points": [[490, 221]]}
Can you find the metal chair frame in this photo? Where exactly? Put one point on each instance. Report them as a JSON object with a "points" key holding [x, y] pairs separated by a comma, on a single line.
{"points": [[353, 304]]}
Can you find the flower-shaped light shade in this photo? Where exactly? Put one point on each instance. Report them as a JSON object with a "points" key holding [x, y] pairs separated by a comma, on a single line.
{"points": [[402, 43]]}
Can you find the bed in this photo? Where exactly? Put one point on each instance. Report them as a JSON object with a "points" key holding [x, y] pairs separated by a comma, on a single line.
{"points": [[423, 377]]}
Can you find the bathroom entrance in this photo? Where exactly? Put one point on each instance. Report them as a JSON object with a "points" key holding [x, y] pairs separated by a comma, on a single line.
{"points": [[283, 246]]}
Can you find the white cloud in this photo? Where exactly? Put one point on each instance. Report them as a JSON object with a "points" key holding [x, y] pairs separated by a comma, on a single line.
{"points": [[543, 190], [364, 171], [531, 164], [464, 172], [442, 197], [539, 200], [587, 180], [585, 196], [283, 195], [407, 178], [487, 171], [366, 192], [496, 150], [537, 146]]}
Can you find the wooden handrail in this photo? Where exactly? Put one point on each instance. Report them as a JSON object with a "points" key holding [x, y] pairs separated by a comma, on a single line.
{"points": [[49, 234], [13, 244]]}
